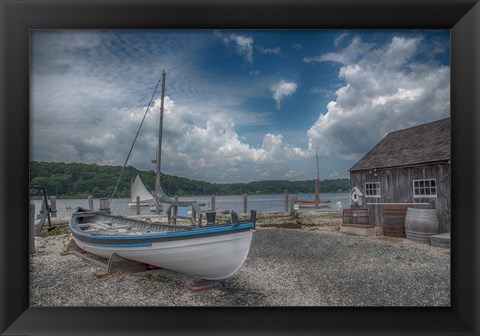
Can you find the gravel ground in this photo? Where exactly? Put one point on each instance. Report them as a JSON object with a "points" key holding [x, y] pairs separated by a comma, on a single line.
{"points": [[302, 261]]}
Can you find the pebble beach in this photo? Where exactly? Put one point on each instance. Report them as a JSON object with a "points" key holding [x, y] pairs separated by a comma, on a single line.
{"points": [[304, 261]]}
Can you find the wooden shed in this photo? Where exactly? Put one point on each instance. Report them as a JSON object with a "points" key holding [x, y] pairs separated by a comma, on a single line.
{"points": [[410, 166]]}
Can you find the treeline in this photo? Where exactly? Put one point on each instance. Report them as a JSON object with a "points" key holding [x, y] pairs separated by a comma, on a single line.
{"points": [[78, 180]]}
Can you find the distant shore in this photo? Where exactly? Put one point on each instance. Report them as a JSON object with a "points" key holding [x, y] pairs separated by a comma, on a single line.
{"points": [[193, 195]]}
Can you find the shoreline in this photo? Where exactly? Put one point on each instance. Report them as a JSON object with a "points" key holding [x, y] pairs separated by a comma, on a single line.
{"points": [[309, 265]]}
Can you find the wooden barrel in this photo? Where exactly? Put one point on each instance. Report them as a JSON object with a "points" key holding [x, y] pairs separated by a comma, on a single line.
{"points": [[347, 216], [357, 217], [393, 218], [421, 224]]}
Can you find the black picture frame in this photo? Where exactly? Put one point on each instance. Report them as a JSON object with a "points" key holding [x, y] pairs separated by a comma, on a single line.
{"points": [[462, 17]]}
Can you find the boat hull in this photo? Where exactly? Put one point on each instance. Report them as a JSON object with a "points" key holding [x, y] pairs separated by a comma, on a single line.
{"points": [[210, 252], [210, 258], [314, 206], [311, 204], [134, 204]]}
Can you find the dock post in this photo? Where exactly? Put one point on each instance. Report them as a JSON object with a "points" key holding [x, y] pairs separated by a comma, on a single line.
{"points": [[292, 204], [212, 202], [32, 228], [245, 203], [138, 205], [53, 206], [90, 203], [104, 206], [194, 213], [295, 207], [286, 202], [175, 210]]}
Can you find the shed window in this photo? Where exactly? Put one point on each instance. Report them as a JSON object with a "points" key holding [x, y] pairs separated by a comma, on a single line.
{"points": [[372, 189], [425, 188]]}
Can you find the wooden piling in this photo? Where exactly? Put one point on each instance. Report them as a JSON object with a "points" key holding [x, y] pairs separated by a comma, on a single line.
{"points": [[194, 213], [138, 205], [292, 205], [212, 202], [32, 228], [175, 211], [104, 206], [90, 203], [286, 202], [245, 197], [53, 206]]}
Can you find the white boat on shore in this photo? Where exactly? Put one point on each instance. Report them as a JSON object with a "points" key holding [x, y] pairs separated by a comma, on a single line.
{"points": [[210, 251]]}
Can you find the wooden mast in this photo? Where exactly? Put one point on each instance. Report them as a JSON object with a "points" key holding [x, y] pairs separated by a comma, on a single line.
{"points": [[317, 184], [159, 149]]}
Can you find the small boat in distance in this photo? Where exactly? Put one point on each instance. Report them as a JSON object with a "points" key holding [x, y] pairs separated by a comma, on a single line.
{"points": [[313, 204], [317, 203]]}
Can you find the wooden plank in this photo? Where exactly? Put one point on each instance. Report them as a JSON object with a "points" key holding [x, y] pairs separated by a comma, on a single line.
{"points": [[87, 257], [87, 214], [182, 217], [202, 285], [73, 248], [117, 263]]}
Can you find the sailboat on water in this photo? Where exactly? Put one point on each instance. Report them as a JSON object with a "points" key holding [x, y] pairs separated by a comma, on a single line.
{"points": [[317, 203], [210, 250], [138, 189]]}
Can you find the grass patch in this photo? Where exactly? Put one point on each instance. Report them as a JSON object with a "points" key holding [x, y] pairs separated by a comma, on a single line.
{"points": [[54, 232]]}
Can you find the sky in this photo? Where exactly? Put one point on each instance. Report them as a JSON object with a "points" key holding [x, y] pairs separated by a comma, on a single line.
{"points": [[240, 105]]}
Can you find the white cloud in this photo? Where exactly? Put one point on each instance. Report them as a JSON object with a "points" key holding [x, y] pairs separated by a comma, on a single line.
{"points": [[274, 51], [334, 175], [281, 90], [297, 46], [291, 175], [100, 141], [339, 39], [386, 88], [243, 45], [211, 151], [89, 91], [351, 53]]}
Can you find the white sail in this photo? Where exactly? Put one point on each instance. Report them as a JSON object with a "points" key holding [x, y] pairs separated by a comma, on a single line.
{"points": [[139, 189]]}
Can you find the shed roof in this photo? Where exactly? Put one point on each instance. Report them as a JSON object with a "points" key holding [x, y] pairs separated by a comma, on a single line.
{"points": [[427, 143]]}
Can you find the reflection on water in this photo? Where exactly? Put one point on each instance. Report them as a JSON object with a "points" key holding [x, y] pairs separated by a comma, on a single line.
{"points": [[260, 203]]}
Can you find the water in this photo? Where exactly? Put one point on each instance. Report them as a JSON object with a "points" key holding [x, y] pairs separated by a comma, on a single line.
{"points": [[260, 203]]}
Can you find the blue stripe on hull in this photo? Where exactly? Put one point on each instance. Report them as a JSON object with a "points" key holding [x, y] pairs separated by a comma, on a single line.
{"points": [[120, 245]]}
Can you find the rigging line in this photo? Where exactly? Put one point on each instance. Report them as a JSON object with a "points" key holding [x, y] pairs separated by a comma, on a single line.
{"points": [[179, 110], [133, 144]]}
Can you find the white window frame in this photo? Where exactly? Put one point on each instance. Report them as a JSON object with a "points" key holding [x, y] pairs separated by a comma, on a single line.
{"points": [[377, 188], [425, 185]]}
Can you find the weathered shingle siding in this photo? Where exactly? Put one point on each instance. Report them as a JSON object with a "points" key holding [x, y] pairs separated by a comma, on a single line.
{"points": [[397, 187]]}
